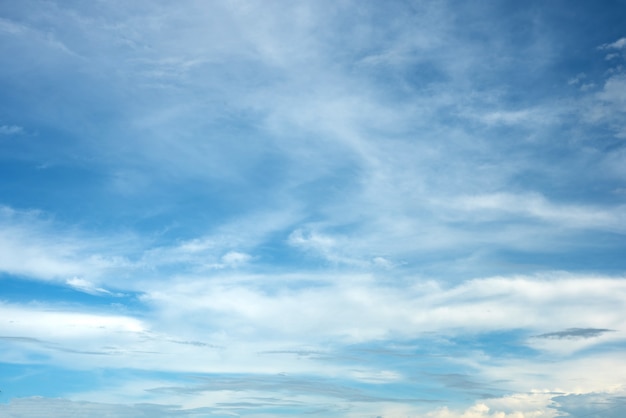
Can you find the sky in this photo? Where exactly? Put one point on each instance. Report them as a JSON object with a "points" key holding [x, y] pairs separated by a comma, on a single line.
{"points": [[357, 209]]}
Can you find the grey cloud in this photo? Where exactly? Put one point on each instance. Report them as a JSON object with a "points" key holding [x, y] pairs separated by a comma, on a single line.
{"points": [[256, 405], [465, 384], [575, 333], [265, 403], [591, 405], [297, 352], [288, 385], [392, 350], [356, 353], [456, 380], [194, 343], [38, 407], [20, 339], [310, 354]]}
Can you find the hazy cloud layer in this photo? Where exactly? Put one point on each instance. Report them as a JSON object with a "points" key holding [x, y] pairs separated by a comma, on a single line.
{"points": [[349, 209]]}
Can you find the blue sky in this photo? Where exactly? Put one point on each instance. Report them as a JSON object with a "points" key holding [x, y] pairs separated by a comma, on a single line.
{"points": [[338, 209]]}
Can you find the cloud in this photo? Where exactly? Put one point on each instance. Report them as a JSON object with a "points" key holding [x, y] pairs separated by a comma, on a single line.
{"points": [[619, 44], [605, 107], [37, 407], [263, 407], [62, 335], [575, 333], [241, 316], [235, 258], [10, 130], [292, 387], [315, 190], [362, 150], [594, 405], [44, 346], [34, 246], [318, 244], [536, 404], [86, 286], [11, 27], [538, 207], [477, 305]]}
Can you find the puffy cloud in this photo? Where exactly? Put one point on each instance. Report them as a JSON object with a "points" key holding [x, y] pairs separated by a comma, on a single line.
{"points": [[481, 410]]}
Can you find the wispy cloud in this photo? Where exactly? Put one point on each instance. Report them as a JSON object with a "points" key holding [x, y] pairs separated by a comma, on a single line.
{"points": [[350, 209], [575, 333], [59, 408], [619, 44], [535, 206], [86, 286], [34, 246], [11, 130]]}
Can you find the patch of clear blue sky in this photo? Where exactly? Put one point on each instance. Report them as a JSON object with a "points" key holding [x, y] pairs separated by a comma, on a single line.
{"points": [[17, 289], [40, 379], [24, 380]]}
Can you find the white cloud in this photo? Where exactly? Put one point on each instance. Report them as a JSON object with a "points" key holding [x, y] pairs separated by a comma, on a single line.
{"points": [[69, 338], [533, 205], [311, 240], [32, 245], [577, 79], [231, 244], [240, 316], [10, 130], [529, 409], [369, 174], [534, 118], [235, 258], [48, 323], [614, 93], [510, 117], [86, 286], [356, 308], [607, 106], [619, 44], [395, 150]]}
